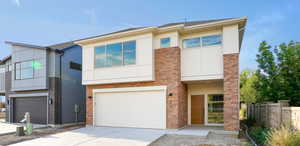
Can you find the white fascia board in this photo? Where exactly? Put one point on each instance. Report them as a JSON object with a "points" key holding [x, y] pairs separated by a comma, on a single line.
{"points": [[130, 89], [114, 35]]}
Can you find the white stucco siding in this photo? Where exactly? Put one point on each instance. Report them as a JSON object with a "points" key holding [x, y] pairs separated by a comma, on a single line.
{"points": [[231, 39], [201, 63], [143, 70]]}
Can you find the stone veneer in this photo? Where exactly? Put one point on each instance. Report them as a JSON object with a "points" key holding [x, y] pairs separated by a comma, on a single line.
{"points": [[231, 92], [167, 72]]}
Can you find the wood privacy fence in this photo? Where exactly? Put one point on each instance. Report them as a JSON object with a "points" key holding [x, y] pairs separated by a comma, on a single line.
{"points": [[272, 115]]}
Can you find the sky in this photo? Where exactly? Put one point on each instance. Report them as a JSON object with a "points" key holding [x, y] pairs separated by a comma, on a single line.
{"points": [[46, 22]]}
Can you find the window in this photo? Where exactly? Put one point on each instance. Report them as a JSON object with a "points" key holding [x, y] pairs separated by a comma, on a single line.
{"points": [[115, 54], [129, 52], [215, 106], [191, 43], [211, 40], [202, 41], [2, 69], [24, 70], [165, 42], [75, 66], [100, 56]]}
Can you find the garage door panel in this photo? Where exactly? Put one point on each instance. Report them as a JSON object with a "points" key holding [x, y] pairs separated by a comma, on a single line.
{"points": [[143, 109], [36, 106]]}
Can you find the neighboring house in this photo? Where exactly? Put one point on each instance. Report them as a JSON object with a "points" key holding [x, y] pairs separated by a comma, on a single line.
{"points": [[164, 77], [44, 81]]}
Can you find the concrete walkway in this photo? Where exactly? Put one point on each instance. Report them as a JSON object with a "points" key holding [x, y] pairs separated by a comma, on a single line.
{"points": [[7, 128]]}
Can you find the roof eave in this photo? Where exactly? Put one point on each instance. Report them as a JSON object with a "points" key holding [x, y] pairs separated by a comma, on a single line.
{"points": [[121, 34], [24, 45]]}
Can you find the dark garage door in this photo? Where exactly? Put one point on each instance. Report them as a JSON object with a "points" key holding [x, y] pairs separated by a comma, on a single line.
{"points": [[36, 106]]}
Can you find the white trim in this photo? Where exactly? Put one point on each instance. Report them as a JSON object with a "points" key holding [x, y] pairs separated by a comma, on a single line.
{"points": [[29, 95], [130, 89], [201, 77]]}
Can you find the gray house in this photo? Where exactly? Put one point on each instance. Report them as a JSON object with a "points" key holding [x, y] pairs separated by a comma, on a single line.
{"points": [[45, 81]]}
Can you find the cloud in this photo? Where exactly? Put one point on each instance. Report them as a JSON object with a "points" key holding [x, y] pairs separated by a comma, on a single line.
{"points": [[17, 2], [92, 15]]}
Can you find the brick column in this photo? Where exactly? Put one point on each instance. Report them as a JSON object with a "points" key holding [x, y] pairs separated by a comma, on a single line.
{"points": [[231, 92]]}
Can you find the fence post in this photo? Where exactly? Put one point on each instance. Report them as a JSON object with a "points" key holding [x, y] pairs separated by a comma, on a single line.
{"points": [[282, 103]]}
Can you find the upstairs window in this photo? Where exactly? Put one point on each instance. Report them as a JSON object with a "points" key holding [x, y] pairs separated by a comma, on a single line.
{"points": [[165, 42], [192, 43], [129, 53], [2, 69], [75, 66], [211, 40], [202, 41], [115, 54], [24, 70]]}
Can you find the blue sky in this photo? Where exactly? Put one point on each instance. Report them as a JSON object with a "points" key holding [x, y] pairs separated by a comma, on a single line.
{"points": [[44, 22]]}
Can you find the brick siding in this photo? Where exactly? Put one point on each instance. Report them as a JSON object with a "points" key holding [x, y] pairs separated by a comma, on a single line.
{"points": [[231, 92]]}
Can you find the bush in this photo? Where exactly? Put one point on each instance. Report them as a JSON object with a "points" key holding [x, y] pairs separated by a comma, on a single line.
{"points": [[259, 134], [283, 136]]}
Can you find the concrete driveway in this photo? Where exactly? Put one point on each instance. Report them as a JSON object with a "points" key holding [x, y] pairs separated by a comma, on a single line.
{"points": [[98, 136]]}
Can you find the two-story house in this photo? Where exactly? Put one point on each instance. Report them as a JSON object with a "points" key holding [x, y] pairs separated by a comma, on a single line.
{"points": [[44, 81], [164, 77]]}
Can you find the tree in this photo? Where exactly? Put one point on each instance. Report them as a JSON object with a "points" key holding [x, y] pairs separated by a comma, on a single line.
{"points": [[248, 92], [289, 63], [278, 73]]}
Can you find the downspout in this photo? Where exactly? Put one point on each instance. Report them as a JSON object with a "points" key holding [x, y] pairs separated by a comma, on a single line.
{"points": [[62, 53]]}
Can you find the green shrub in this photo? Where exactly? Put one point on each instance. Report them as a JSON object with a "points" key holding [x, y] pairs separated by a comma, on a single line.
{"points": [[259, 134], [283, 136]]}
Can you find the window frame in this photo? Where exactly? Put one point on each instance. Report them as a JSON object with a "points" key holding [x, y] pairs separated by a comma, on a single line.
{"points": [[213, 102], [105, 51], [201, 41], [20, 76], [161, 39]]}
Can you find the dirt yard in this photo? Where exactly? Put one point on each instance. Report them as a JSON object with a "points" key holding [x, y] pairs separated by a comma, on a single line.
{"points": [[37, 133], [212, 140]]}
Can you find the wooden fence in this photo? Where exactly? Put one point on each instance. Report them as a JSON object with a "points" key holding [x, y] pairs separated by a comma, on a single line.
{"points": [[273, 115]]}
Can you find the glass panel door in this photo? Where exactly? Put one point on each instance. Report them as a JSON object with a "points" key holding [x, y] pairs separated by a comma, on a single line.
{"points": [[215, 104]]}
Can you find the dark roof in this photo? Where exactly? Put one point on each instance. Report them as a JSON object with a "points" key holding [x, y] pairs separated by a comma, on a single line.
{"points": [[59, 46], [5, 59], [187, 23], [119, 31], [64, 45], [191, 23]]}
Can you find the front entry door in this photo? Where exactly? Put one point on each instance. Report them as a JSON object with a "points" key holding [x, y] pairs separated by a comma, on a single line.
{"points": [[197, 109]]}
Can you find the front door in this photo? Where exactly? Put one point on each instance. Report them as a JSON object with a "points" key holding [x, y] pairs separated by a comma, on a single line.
{"points": [[197, 109]]}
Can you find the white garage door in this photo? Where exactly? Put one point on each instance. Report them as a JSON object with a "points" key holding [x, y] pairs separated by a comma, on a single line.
{"points": [[135, 107]]}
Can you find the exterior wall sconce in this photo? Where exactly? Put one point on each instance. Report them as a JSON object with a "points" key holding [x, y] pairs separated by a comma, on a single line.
{"points": [[90, 97], [50, 101], [170, 94]]}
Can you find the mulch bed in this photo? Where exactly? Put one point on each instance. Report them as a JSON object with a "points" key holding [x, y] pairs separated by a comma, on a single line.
{"points": [[37, 133]]}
